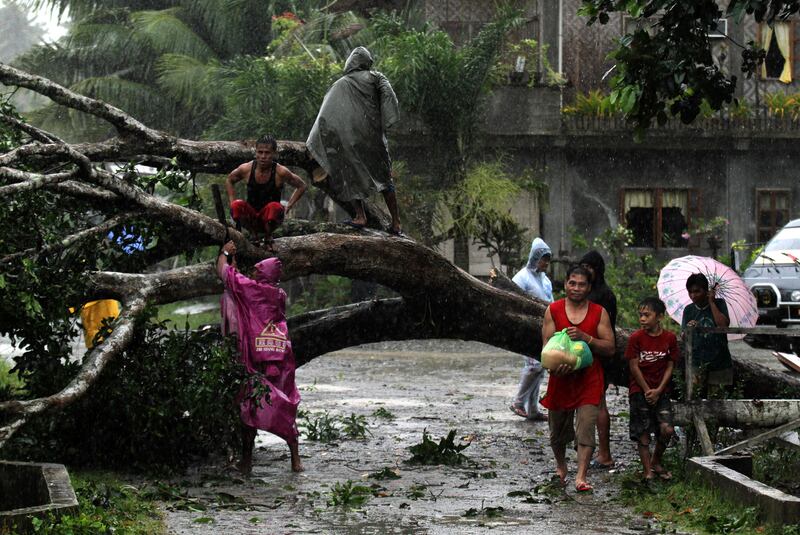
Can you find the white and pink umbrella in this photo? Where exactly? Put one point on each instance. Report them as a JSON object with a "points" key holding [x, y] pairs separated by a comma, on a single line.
{"points": [[742, 308]]}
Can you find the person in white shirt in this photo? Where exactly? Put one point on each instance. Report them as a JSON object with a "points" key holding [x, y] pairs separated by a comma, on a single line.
{"points": [[533, 280]]}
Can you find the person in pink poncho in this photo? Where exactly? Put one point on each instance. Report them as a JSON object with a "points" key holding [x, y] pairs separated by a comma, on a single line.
{"points": [[254, 309]]}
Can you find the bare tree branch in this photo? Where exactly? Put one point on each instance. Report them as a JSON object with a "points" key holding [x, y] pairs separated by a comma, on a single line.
{"points": [[8, 430], [66, 242], [29, 181], [124, 123], [99, 197], [34, 133]]}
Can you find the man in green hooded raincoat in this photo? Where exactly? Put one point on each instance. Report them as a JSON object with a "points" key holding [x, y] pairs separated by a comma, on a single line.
{"points": [[348, 139]]}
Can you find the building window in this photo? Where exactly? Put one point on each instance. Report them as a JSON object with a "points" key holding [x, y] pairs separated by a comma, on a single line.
{"points": [[656, 217], [772, 212], [778, 41]]}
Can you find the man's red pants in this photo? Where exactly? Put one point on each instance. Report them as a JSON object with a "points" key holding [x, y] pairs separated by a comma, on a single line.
{"points": [[269, 217]]}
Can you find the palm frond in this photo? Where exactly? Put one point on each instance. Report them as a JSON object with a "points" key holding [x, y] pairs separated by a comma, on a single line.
{"points": [[143, 101], [233, 27], [188, 80], [168, 34], [77, 9], [103, 49]]}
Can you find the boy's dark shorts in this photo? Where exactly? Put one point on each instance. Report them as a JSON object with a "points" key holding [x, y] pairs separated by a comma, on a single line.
{"points": [[646, 418]]}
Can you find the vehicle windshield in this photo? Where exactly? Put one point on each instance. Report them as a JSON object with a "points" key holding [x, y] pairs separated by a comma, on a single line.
{"points": [[788, 238]]}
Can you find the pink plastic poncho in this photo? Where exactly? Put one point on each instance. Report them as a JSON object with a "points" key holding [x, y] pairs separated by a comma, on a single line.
{"points": [[255, 311]]}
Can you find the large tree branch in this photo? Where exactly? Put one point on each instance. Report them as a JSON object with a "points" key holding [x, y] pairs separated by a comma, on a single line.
{"points": [[137, 140], [98, 197], [124, 123], [454, 303]]}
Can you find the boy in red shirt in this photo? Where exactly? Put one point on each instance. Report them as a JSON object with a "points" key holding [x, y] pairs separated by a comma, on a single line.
{"points": [[652, 353]]}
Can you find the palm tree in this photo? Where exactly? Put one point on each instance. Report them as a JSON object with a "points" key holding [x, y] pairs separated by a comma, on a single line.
{"points": [[445, 86], [154, 58]]}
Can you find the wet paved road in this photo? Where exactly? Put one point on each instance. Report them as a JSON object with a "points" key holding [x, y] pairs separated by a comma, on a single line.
{"points": [[436, 386]]}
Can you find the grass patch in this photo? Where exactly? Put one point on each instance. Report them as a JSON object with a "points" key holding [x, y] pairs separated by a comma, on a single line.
{"points": [[777, 467], [106, 505], [688, 504]]}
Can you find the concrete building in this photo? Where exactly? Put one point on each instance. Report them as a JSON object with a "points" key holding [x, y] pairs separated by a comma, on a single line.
{"points": [[746, 170]]}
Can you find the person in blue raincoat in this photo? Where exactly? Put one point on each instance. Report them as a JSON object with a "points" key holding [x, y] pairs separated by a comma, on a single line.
{"points": [[348, 139], [533, 280]]}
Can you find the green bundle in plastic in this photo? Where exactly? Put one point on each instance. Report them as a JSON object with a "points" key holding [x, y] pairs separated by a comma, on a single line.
{"points": [[560, 349]]}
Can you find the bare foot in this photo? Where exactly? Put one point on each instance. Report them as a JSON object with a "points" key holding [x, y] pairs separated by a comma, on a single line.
{"points": [[562, 473], [245, 467], [297, 464]]}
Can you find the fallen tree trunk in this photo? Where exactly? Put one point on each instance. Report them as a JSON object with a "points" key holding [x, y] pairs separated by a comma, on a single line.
{"points": [[761, 382], [437, 300], [740, 413]]}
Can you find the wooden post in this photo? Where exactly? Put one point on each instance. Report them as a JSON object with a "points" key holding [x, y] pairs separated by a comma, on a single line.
{"points": [[702, 433]]}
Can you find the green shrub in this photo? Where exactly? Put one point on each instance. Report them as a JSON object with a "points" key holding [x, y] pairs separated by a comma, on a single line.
{"points": [[349, 495], [10, 383], [166, 400]]}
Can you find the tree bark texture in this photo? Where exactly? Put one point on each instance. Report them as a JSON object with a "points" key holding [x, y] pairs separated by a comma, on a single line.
{"points": [[740, 413]]}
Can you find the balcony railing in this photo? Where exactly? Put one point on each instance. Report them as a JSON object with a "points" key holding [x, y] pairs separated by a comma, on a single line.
{"points": [[760, 123]]}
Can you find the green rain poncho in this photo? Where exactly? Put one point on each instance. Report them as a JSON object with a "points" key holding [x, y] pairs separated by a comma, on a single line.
{"points": [[348, 138]]}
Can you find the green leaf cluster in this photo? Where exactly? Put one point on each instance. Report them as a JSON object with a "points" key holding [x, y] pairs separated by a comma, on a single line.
{"points": [[280, 94], [446, 451], [348, 495], [664, 67], [441, 83], [326, 428]]}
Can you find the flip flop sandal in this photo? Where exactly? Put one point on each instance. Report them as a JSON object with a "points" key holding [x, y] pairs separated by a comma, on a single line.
{"points": [[584, 487], [538, 417], [664, 475], [557, 480], [597, 465], [519, 411]]}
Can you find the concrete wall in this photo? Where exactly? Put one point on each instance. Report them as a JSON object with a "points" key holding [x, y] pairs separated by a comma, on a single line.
{"points": [[586, 167], [586, 179]]}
